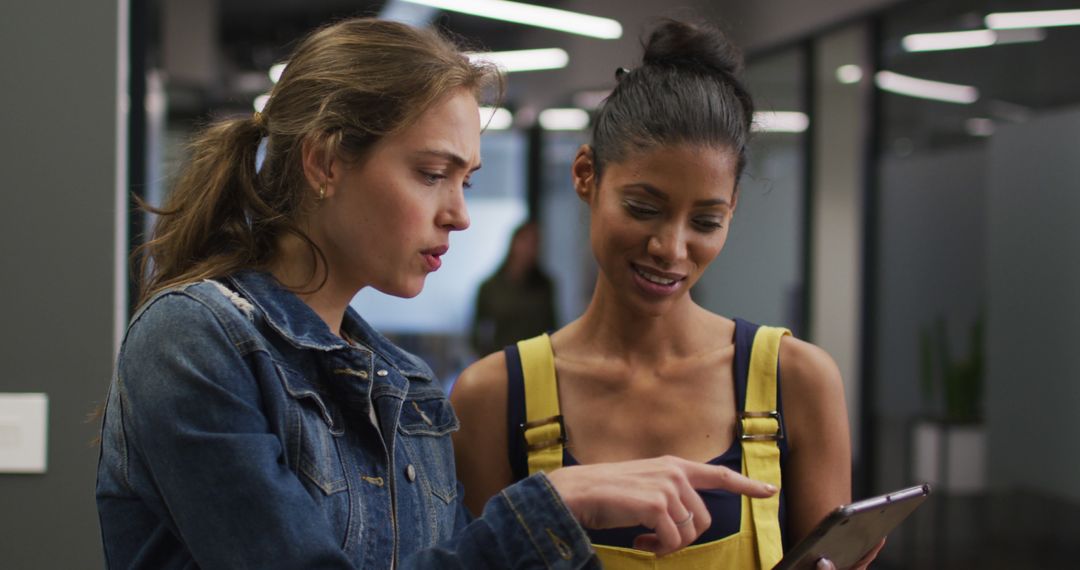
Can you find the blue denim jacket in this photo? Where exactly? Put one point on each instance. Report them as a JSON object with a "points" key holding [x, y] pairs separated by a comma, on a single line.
{"points": [[240, 433]]}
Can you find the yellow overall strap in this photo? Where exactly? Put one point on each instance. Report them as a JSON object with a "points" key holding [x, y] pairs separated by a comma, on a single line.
{"points": [[543, 428], [760, 430]]}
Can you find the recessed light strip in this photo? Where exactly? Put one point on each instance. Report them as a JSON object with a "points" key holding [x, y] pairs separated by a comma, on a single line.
{"points": [[260, 102], [949, 40], [276, 70], [568, 119], [926, 89], [1040, 19], [849, 74], [495, 118], [970, 39], [525, 59], [531, 15], [780, 122]]}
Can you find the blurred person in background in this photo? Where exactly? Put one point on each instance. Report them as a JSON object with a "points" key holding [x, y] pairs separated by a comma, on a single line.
{"points": [[518, 300]]}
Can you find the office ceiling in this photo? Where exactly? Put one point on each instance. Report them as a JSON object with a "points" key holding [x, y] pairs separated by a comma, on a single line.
{"points": [[253, 34], [258, 25], [1013, 79]]}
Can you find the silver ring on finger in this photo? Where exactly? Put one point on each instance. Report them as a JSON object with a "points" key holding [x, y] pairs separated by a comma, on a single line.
{"points": [[689, 519]]}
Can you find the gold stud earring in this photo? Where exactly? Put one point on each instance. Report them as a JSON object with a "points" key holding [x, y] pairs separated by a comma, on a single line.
{"points": [[322, 192]]}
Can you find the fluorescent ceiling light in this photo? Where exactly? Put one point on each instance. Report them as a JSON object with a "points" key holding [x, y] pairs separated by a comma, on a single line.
{"points": [[970, 39], [564, 119], [531, 15], [495, 118], [949, 40], [926, 89], [260, 102], [849, 74], [524, 59], [780, 122], [1041, 19], [276, 70]]}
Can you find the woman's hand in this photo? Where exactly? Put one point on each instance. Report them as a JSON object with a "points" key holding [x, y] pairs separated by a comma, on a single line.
{"points": [[862, 564], [655, 493]]}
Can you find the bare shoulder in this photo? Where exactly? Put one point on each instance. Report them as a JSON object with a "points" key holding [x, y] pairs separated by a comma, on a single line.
{"points": [[817, 476], [480, 386], [807, 367], [479, 398], [813, 393]]}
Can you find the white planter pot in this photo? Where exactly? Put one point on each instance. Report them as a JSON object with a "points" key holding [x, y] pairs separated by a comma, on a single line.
{"points": [[951, 457]]}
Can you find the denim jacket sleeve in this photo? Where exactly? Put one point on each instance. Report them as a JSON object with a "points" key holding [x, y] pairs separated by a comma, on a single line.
{"points": [[193, 412], [525, 526]]}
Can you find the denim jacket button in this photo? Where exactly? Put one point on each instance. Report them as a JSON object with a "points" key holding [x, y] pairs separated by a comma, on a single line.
{"points": [[410, 472], [381, 372]]}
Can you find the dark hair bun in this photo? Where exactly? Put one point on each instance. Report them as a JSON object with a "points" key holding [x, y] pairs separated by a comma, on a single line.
{"points": [[701, 46], [686, 91]]}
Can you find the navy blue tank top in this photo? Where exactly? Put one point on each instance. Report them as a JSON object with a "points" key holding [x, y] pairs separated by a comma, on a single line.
{"points": [[725, 507]]}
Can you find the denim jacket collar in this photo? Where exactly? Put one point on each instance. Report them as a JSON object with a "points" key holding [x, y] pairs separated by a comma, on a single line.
{"points": [[295, 321]]}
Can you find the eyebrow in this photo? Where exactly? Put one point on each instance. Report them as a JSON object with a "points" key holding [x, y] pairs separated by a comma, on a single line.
{"points": [[661, 195], [457, 160]]}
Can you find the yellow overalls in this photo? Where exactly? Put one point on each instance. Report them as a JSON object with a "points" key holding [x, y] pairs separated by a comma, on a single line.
{"points": [[758, 543]]}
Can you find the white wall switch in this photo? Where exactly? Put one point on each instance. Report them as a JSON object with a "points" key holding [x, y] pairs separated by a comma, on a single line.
{"points": [[24, 420]]}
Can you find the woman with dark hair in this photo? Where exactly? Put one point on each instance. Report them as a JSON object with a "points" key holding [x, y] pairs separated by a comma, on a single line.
{"points": [[255, 420], [645, 371]]}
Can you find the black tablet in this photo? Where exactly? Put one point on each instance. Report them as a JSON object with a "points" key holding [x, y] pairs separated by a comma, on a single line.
{"points": [[851, 531]]}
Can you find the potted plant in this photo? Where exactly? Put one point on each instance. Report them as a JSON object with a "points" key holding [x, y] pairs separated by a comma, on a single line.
{"points": [[949, 443]]}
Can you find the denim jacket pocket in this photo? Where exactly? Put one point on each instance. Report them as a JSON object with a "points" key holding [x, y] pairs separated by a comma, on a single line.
{"points": [[428, 414], [427, 422], [314, 429]]}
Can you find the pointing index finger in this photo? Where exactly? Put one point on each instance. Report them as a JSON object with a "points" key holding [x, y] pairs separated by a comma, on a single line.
{"points": [[703, 476]]}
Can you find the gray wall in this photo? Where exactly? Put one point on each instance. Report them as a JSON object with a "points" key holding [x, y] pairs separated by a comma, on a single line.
{"points": [[58, 141], [1033, 272]]}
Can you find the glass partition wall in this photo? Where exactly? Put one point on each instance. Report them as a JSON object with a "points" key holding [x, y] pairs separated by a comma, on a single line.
{"points": [[974, 280], [759, 274]]}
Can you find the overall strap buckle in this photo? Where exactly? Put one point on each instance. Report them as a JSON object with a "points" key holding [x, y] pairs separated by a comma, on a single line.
{"points": [[760, 426], [544, 433]]}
